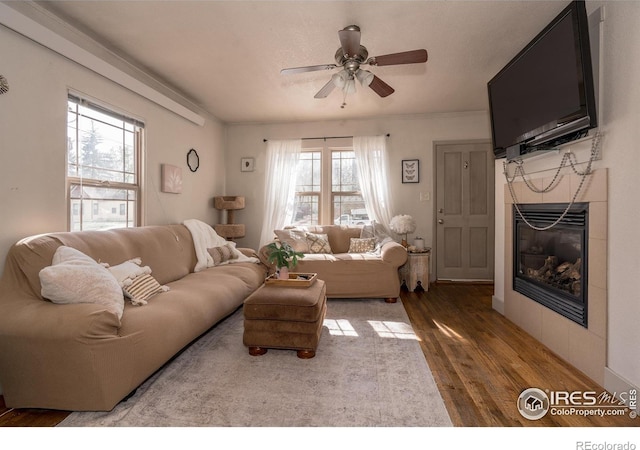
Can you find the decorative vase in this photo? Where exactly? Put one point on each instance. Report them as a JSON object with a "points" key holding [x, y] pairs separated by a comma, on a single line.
{"points": [[283, 273], [404, 242]]}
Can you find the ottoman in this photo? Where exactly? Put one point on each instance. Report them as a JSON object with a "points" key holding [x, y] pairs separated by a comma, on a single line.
{"points": [[286, 318]]}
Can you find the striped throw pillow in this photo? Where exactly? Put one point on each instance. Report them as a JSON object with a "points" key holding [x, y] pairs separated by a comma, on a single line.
{"points": [[142, 289], [222, 254]]}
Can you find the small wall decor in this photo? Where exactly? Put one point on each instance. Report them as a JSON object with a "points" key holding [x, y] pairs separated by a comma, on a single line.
{"points": [[411, 171], [171, 179], [247, 165], [193, 160]]}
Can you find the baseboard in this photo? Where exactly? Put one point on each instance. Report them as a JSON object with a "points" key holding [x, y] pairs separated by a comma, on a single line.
{"points": [[497, 304], [616, 384]]}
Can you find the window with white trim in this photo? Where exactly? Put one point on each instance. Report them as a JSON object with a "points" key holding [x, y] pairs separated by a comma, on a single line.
{"points": [[328, 189], [104, 151]]}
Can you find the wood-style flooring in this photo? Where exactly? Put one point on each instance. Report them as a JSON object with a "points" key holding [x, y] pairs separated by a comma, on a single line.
{"points": [[480, 361]]}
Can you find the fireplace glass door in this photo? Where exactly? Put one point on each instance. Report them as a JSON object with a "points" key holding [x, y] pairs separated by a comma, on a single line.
{"points": [[550, 264]]}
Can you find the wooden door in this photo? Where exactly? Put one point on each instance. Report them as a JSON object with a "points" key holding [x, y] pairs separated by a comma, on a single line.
{"points": [[464, 211]]}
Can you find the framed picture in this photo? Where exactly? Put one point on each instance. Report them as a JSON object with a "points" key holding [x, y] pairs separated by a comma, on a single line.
{"points": [[411, 171], [171, 179], [247, 165]]}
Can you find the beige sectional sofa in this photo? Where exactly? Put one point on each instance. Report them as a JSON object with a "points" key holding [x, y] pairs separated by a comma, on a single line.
{"points": [[348, 274], [82, 356]]}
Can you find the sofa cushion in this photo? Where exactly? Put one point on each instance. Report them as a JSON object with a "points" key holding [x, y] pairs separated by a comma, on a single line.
{"points": [[339, 235], [362, 245], [74, 277], [318, 243]]}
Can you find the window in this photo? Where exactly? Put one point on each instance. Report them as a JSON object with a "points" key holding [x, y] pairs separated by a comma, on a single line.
{"points": [[328, 191], [103, 167]]}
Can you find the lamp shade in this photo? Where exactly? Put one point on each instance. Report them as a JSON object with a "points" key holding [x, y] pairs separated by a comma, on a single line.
{"points": [[339, 79], [364, 77], [350, 86]]}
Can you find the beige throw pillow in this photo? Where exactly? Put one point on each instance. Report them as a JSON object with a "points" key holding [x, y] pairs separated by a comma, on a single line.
{"points": [[318, 243], [142, 288], [222, 254], [362, 245]]}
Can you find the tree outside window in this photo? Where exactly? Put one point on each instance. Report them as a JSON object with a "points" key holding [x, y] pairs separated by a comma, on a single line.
{"points": [[103, 160]]}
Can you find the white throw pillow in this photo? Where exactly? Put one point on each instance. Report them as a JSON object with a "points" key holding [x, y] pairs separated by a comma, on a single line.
{"points": [[74, 277], [126, 272]]}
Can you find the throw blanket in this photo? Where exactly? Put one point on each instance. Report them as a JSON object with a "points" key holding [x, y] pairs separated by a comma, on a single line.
{"points": [[205, 237]]}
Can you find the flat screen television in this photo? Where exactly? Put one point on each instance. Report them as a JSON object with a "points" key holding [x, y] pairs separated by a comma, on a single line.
{"points": [[545, 95]]}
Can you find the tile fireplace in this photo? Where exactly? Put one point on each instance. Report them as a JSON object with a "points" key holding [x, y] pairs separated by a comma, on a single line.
{"points": [[580, 340]]}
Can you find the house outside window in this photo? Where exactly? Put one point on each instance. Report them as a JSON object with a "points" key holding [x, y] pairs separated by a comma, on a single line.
{"points": [[328, 190], [104, 150]]}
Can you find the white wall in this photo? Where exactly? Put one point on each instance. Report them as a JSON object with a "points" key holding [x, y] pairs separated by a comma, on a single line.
{"points": [[621, 154], [33, 144], [619, 116], [412, 137]]}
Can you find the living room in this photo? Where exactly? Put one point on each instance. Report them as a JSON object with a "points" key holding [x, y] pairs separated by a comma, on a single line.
{"points": [[32, 172]]}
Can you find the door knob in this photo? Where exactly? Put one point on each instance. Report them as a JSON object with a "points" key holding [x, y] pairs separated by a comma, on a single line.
{"points": [[440, 221]]}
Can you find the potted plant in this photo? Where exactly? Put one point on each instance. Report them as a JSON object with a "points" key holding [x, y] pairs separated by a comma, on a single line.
{"points": [[284, 257]]}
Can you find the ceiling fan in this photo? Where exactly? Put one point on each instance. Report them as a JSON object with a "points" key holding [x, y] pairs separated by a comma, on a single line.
{"points": [[350, 56]]}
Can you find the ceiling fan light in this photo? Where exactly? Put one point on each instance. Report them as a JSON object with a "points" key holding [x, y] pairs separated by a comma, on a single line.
{"points": [[339, 80], [350, 86], [364, 77]]}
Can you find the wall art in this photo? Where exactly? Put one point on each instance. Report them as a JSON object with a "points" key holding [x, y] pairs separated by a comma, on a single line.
{"points": [[171, 179], [411, 171], [247, 165]]}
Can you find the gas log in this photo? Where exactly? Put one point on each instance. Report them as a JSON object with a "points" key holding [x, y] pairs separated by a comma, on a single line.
{"points": [[565, 276]]}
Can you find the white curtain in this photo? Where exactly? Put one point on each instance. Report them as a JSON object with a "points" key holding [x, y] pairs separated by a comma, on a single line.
{"points": [[373, 170], [280, 186]]}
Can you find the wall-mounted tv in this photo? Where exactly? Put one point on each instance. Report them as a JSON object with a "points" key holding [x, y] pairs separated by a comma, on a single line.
{"points": [[545, 95]]}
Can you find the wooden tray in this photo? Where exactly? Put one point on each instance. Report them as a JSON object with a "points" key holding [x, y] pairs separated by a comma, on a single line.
{"points": [[295, 280]]}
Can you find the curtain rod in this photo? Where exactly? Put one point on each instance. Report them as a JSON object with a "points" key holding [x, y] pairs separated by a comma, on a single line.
{"points": [[326, 137]]}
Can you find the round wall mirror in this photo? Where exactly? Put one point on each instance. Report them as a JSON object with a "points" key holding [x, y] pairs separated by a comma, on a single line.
{"points": [[193, 160]]}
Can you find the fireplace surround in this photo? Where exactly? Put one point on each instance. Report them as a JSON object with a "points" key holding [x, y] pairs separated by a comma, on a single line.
{"points": [[583, 347]]}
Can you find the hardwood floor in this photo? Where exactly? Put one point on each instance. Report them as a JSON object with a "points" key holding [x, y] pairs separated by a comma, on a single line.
{"points": [[480, 361]]}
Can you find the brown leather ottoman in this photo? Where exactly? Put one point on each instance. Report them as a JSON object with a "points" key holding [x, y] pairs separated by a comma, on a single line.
{"points": [[285, 317]]}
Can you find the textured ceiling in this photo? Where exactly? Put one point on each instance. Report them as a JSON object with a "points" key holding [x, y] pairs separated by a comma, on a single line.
{"points": [[226, 56]]}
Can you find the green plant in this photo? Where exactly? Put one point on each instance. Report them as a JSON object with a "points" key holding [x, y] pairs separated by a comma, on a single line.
{"points": [[282, 254]]}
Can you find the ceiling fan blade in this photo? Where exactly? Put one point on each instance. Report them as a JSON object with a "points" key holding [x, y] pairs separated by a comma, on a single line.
{"points": [[326, 90], [350, 40], [293, 70], [410, 57], [380, 87]]}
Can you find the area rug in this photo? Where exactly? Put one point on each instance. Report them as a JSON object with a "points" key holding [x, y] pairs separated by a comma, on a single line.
{"points": [[369, 371]]}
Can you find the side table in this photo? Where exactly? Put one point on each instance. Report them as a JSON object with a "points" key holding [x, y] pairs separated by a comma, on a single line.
{"points": [[415, 272]]}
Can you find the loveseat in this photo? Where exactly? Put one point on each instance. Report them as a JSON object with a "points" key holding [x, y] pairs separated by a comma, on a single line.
{"points": [[82, 356], [354, 261]]}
